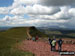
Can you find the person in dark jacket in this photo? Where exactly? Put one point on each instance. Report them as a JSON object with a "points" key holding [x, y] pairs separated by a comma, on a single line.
{"points": [[60, 44], [50, 41]]}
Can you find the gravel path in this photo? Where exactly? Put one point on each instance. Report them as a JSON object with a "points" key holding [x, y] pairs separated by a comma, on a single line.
{"points": [[41, 48]]}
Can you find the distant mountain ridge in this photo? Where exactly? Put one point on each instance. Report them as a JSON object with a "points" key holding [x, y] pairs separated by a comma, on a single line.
{"points": [[54, 28], [4, 28], [57, 31], [40, 31]]}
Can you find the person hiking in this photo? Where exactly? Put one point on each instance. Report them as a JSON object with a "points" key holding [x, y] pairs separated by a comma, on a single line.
{"points": [[60, 44], [50, 41], [37, 38], [53, 44], [33, 38]]}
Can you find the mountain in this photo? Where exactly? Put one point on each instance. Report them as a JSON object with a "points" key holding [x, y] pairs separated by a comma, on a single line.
{"points": [[35, 32], [57, 31], [22, 31], [4, 28]]}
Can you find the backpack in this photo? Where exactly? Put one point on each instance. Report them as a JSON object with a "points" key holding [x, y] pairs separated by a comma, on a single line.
{"points": [[53, 43], [60, 42]]}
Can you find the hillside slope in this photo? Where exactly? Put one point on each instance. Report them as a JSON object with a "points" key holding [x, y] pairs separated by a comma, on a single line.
{"points": [[9, 39], [13, 36], [23, 32]]}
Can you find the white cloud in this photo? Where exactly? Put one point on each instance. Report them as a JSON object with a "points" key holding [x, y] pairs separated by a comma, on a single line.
{"points": [[62, 14], [28, 2], [47, 23], [14, 18], [35, 10], [72, 12], [16, 6], [18, 21], [41, 10], [51, 15], [23, 2], [18, 11], [4, 10], [6, 18]]}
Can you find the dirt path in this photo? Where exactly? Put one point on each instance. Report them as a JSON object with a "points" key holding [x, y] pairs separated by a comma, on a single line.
{"points": [[41, 48], [28, 33]]}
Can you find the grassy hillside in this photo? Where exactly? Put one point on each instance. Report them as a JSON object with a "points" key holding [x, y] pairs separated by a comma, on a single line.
{"points": [[9, 38], [13, 36]]}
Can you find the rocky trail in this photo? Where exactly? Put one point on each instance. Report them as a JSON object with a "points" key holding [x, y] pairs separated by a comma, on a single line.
{"points": [[42, 48]]}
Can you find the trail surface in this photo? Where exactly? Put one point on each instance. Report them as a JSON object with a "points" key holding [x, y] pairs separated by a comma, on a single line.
{"points": [[41, 48]]}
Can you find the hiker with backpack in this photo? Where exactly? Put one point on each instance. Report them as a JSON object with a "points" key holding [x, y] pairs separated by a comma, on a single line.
{"points": [[50, 41], [60, 44], [53, 44]]}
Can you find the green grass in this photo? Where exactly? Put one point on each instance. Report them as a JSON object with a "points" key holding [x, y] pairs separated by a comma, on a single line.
{"points": [[9, 38]]}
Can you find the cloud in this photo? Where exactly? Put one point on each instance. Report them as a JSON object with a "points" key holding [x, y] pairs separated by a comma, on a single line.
{"points": [[70, 24], [23, 2], [4, 10], [57, 2], [62, 14], [46, 17], [11, 21], [72, 12], [14, 18], [28, 2], [41, 10], [48, 13], [48, 23], [17, 21], [20, 21], [18, 11], [35, 10]]}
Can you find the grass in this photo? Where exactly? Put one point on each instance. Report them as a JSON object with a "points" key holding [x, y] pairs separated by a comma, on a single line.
{"points": [[9, 38]]}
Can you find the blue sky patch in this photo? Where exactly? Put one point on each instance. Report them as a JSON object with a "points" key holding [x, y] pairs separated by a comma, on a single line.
{"points": [[6, 3]]}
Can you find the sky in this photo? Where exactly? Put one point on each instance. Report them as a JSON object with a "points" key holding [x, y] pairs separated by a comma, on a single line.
{"points": [[39, 13]]}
